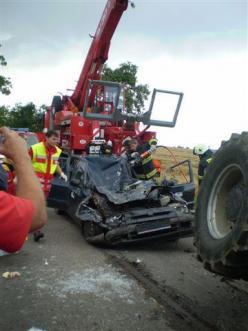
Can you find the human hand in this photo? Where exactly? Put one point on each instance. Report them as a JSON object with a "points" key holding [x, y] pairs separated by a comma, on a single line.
{"points": [[12, 145], [64, 177], [135, 155]]}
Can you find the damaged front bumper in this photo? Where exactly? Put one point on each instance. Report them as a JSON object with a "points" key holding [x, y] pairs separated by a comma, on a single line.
{"points": [[143, 224]]}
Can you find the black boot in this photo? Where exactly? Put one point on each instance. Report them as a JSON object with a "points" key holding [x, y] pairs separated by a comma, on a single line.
{"points": [[38, 235]]}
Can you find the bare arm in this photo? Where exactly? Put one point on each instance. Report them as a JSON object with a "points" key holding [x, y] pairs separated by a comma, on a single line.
{"points": [[59, 170], [28, 186]]}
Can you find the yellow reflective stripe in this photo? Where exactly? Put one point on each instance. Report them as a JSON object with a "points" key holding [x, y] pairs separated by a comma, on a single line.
{"points": [[151, 174], [140, 176], [209, 160], [147, 159], [5, 167], [147, 176], [40, 156]]}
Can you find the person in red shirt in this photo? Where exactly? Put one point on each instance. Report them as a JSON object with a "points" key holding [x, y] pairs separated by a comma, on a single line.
{"points": [[44, 156], [16, 218], [25, 212]]}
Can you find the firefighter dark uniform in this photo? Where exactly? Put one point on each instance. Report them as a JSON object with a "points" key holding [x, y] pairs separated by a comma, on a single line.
{"points": [[146, 168], [205, 159], [153, 144], [107, 149], [205, 154]]}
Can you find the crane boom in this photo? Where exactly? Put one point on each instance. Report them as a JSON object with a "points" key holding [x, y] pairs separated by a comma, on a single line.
{"points": [[98, 52]]}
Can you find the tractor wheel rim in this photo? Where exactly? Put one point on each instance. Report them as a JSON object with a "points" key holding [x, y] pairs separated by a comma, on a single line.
{"points": [[219, 224]]}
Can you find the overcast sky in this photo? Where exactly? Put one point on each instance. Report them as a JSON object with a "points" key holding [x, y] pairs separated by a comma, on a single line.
{"points": [[196, 47]]}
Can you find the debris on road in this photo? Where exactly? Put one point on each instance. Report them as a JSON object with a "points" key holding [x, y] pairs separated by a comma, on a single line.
{"points": [[3, 253], [11, 274]]}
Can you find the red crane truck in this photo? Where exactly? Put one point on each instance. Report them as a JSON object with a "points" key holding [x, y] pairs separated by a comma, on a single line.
{"points": [[96, 111]]}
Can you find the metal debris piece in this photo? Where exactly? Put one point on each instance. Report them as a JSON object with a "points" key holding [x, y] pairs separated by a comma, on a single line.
{"points": [[3, 253], [11, 274]]}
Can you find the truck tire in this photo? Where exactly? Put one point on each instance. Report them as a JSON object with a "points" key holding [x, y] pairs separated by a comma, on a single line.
{"points": [[221, 228]]}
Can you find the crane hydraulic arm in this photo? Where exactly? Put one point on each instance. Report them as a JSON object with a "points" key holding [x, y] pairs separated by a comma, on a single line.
{"points": [[98, 52], [76, 131]]}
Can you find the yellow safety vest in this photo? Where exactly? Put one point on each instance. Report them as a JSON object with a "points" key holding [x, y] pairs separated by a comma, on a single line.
{"points": [[147, 170], [40, 160]]}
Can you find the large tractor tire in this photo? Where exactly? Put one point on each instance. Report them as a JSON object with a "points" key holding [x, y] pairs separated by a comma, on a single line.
{"points": [[221, 229]]}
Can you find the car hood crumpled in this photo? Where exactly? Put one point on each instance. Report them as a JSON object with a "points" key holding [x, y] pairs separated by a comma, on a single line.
{"points": [[111, 176]]}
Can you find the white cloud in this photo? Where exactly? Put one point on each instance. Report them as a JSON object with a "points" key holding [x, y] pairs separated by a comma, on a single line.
{"points": [[214, 85], [5, 37], [215, 96]]}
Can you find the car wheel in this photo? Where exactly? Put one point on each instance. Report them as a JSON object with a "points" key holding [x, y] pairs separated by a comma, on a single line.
{"points": [[91, 230]]}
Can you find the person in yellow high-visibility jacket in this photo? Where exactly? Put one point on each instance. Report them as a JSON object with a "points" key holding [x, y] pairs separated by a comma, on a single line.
{"points": [[45, 156]]}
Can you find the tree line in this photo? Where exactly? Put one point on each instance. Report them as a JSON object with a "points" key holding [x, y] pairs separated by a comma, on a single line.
{"points": [[23, 116]]}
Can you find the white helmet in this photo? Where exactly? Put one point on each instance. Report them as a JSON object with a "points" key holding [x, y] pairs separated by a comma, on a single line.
{"points": [[200, 149], [109, 143], [2, 157]]}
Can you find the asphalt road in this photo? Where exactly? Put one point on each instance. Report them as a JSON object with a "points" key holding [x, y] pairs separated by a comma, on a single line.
{"points": [[66, 284]]}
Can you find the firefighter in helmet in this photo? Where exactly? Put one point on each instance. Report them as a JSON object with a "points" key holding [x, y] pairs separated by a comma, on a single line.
{"points": [[125, 151], [152, 146], [141, 158], [205, 155]]}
